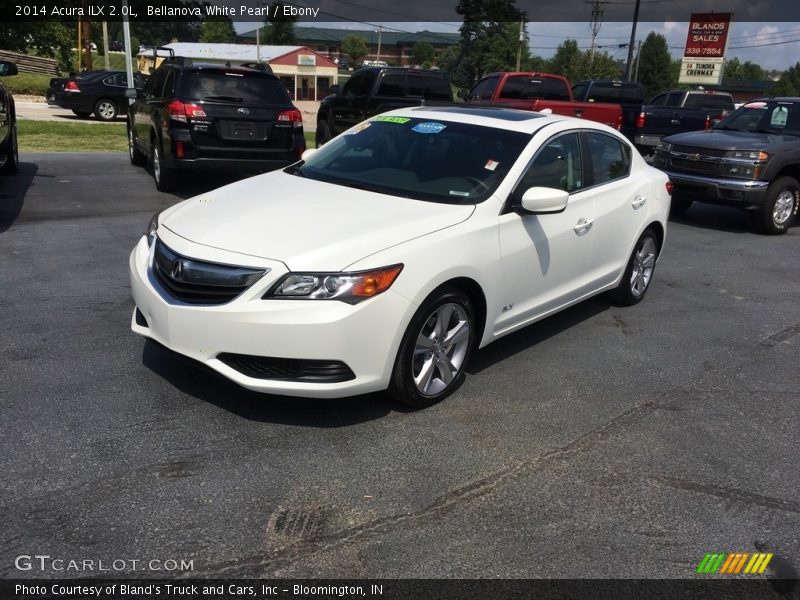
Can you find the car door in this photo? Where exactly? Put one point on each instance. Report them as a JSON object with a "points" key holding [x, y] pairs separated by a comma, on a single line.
{"points": [[544, 257], [621, 204]]}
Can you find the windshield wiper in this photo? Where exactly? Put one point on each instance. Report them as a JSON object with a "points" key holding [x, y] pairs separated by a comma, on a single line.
{"points": [[223, 98]]}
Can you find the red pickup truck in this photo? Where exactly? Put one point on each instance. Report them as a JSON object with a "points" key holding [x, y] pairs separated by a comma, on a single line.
{"points": [[540, 91]]}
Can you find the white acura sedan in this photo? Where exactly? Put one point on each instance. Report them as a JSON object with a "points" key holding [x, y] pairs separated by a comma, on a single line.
{"points": [[385, 258]]}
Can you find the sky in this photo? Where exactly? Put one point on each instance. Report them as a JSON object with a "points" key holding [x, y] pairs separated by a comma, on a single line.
{"points": [[772, 45]]}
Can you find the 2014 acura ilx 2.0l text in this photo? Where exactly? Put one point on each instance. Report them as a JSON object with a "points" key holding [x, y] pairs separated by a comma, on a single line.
{"points": [[386, 257]]}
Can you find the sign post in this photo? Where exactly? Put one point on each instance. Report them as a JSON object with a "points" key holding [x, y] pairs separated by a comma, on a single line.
{"points": [[704, 54]]}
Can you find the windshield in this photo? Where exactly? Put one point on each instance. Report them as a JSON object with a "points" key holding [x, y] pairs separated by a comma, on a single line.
{"points": [[439, 161], [769, 116]]}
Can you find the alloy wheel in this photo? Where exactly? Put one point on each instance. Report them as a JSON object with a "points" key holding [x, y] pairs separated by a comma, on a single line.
{"points": [[643, 264], [106, 110], [441, 348], [784, 205]]}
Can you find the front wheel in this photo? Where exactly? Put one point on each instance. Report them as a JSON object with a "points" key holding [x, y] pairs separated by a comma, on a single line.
{"points": [[639, 272], [11, 165], [780, 208], [435, 349]]}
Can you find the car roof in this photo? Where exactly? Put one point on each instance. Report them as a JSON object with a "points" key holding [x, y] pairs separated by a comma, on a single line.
{"points": [[774, 98]]}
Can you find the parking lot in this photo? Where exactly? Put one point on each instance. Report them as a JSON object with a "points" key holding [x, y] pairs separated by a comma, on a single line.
{"points": [[601, 442]]}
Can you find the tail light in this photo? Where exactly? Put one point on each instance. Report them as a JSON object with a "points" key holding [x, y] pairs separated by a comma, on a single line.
{"points": [[71, 87], [619, 122], [669, 188], [640, 120], [708, 122], [179, 149], [292, 116], [182, 111]]}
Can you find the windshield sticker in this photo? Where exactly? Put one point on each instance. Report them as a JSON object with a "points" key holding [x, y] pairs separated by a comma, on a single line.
{"points": [[779, 116], [457, 193], [357, 128], [491, 165], [761, 105], [428, 127], [398, 120]]}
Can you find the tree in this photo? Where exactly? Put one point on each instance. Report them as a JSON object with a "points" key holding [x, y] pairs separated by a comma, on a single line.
{"points": [[355, 47], [497, 48], [654, 64], [44, 38], [280, 26], [788, 84], [568, 61], [422, 53], [218, 31], [747, 70], [485, 23]]}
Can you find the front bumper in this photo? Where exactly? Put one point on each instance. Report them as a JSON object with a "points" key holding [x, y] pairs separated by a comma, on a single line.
{"points": [[647, 140], [365, 337], [733, 192]]}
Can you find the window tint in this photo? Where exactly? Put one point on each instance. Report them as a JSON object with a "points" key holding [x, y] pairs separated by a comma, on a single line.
{"points": [[414, 85], [359, 84], [674, 99], [117, 80], [711, 101], [557, 165], [233, 86], [659, 100], [475, 93], [169, 85], [611, 159], [392, 84], [488, 91], [579, 90], [615, 93], [531, 88], [156, 83], [437, 88]]}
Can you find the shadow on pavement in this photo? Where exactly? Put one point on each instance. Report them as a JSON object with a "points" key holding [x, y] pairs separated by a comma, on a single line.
{"points": [[718, 218], [13, 189]]}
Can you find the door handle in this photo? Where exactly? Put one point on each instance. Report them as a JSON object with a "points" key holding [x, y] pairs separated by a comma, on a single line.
{"points": [[583, 226], [638, 202]]}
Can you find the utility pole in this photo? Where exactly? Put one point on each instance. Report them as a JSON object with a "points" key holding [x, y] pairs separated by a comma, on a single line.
{"points": [[597, 13], [629, 64], [638, 56], [380, 30], [105, 46], [521, 40]]}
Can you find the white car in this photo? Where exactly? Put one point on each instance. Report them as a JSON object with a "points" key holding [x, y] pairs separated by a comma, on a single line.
{"points": [[385, 258]]}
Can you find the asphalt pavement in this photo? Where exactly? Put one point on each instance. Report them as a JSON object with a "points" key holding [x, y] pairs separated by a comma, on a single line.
{"points": [[601, 442]]}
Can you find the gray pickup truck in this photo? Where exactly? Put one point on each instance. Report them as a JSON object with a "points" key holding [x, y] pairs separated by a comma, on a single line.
{"points": [[751, 160], [678, 111]]}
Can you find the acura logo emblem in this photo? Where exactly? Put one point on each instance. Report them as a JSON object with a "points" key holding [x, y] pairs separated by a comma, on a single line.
{"points": [[243, 111], [176, 271]]}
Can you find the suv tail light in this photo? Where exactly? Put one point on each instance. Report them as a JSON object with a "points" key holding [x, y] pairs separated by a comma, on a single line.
{"points": [[293, 116], [640, 120], [182, 111], [71, 87]]}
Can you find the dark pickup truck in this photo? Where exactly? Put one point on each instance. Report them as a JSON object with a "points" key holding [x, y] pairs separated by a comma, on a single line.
{"points": [[750, 160], [678, 111], [540, 92], [374, 90], [628, 94]]}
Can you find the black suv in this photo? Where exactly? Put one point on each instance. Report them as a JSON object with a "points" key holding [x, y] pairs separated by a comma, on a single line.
{"points": [[9, 152], [205, 116], [374, 90]]}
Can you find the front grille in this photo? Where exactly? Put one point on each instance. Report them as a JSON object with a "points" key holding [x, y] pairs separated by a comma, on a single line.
{"points": [[701, 151], [695, 166], [198, 282], [288, 369]]}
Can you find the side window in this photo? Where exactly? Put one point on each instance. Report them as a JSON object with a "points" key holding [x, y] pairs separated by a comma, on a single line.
{"points": [[116, 80], [156, 83], [360, 84], [611, 159], [475, 93], [557, 165], [488, 91], [674, 99], [659, 100], [579, 91], [139, 81], [392, 84]]}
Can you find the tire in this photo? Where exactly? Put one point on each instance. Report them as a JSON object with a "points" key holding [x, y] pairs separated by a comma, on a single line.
{"points": [[82, 114], [780, 207], [639, 271], [11, 166], [164, 177], [444, 362], [105, 109], [138, 158], [323, 135], [679, 206]]}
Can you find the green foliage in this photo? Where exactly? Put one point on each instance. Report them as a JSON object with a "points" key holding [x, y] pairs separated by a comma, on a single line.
{"points": [[497, 48], [734, 69], [788, 84], [280, 28], [422, 53], [451, 62], [43, 38], [655, 64], [49, 136], [355, 47], [30, 84], [484, 35], [576, 64], [218, 32]]}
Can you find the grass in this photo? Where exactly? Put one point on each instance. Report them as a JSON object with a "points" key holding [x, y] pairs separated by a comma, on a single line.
{"points": [[47, 136], [116, 61], [31, 84]]}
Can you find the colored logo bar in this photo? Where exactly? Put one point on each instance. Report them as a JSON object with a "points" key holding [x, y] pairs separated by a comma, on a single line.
{"points": [[734, 563]]}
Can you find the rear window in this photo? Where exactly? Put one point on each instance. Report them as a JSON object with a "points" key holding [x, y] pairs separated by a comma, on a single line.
{"points": [[233, 86], [534, 88], [438, 89], [708, 101], [616, 93]]}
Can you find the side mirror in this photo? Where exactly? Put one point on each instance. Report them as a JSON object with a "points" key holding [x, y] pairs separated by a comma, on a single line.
{"points": [[463, 94], [307, 154], [7, 68], [544, 200]]}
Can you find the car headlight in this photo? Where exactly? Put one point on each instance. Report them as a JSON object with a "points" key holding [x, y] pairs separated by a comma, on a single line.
{"points": [[152, 227], [347, 287], [747, 155]]}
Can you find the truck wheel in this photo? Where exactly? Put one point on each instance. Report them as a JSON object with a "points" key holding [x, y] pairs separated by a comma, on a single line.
{"points": [[679, 206], [11, 166], [780, 207], [323, 135]]}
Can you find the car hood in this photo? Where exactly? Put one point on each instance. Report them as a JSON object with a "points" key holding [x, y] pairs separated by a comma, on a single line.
{"points": [[306, 224], [729, 140]]}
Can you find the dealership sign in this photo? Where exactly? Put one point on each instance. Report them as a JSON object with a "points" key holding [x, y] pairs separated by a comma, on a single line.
{"points": [[705, 48]]}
